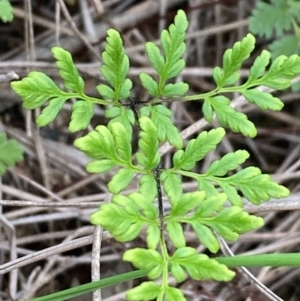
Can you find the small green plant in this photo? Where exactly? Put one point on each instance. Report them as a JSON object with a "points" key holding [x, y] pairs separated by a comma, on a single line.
{"points": [[281, 24], [109, 147], [279, 19], [10, 153], [6, 10], [10, 150]]}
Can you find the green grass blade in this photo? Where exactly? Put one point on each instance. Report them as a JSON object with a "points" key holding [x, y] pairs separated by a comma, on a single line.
{"points": [[263, 260], [89, 287], [274, 260]]}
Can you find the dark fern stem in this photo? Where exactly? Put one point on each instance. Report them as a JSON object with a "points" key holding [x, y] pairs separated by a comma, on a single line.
{"points": [[156, 172], [132, 106]]}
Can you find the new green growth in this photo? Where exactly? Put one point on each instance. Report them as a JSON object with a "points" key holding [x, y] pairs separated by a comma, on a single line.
{"points": [[215, 207]]}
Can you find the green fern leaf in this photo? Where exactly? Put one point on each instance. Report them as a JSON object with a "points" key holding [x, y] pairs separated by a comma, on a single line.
{"points": [[36, 89], [230, 161], [207, 111], [113, 112], [196, 149], [232, 194], [149, 213], [50, 112], [207, 208], [176, 235], [148, 155], [155, 57], [10, 153], [122, 115], [125, 89], [177, 89], [106, 91], [122, 140], [174, 47], [210, 205], [207, 187], [171, 63], [281, 72], [67, 70], [186, 203], [153, 236], [148, 186], [229, 222], [180, 208], [122, 225], [232, 61], [145, 259], [207, 237], [200, 266], [120, 180], [146, 204], [160, 116], [115, 68], [258, 68], [233, 58], [263, 100], [227, 116], [149, 83], [146, 291], [100, 166], [125, 217], [172, 185], [255, 186], [178, 272], [82, 113], [174, 294], [98, 144]]}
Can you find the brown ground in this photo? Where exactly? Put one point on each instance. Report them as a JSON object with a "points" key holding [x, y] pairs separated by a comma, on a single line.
{"points": [[53, 171]]}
